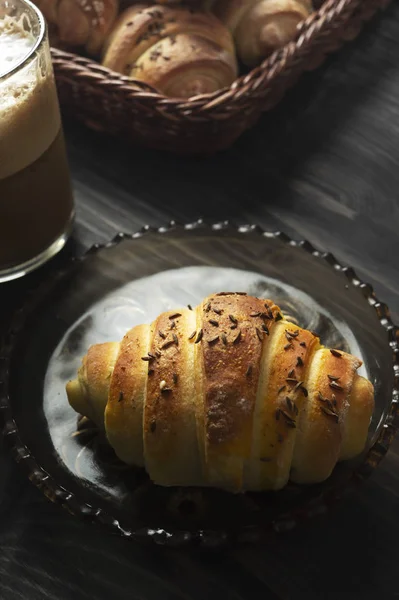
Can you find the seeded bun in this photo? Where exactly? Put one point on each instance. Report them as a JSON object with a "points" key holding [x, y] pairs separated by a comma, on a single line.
{"points": [[229, 395], [179, 51]]}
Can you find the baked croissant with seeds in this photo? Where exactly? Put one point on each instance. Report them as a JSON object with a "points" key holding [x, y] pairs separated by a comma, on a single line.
{"points": [[79, 23], [178, 51], [229, 395], [260, 27]]}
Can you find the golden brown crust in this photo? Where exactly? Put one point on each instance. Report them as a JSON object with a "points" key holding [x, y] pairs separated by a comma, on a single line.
{"points": [[74, 23], [186, 67], [358, 416], [195, 337], [177, 50], [228, 394], [88, 394], [123, 45], [124, 412], [230, 12], [170, 440], [321, 425], [261, 26], [140, 27], [281, 395], [232, 348]]}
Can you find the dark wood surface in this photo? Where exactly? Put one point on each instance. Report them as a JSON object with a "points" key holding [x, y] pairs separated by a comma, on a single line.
{"points": [[323, 166]]}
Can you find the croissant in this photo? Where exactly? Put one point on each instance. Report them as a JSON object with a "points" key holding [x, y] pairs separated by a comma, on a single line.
{"points": [[260, 27], [229, 395], [79, 23], [179, 51]]}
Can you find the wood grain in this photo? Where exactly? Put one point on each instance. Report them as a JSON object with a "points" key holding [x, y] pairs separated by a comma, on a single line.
{"points": [[323, 166]]}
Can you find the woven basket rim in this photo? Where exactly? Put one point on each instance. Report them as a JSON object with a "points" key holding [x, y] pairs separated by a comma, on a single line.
{"points": [[258, 80]]}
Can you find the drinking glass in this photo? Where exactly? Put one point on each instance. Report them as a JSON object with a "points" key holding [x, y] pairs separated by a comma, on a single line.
{"points": [[36, 204]]}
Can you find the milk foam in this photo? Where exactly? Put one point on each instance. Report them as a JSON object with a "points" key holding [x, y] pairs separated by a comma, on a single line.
{"points": [[13, 46], [29, 113]]}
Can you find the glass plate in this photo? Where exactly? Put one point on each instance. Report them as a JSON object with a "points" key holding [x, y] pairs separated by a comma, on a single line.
{"points": [[130, 281]]}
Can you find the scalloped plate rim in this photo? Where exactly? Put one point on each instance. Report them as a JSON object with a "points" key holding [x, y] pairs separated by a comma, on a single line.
{"points": [[214, 538]]}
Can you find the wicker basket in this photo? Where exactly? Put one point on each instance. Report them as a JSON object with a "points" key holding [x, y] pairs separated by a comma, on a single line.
{"points": [[109, 102]]}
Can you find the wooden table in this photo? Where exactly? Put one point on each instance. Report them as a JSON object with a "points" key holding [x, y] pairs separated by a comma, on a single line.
{"points": [[323, 166]]}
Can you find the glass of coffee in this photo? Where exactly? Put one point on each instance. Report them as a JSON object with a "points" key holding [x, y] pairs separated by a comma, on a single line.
{"points": [[36, 206]]}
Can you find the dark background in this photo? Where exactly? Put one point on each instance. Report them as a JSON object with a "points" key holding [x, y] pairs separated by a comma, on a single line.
{"points": [[323, 166]]}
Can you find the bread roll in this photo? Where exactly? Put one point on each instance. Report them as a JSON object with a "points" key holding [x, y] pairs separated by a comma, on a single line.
{"points": [[260, 27], [79, 23], [229, 395], [179, 51]]}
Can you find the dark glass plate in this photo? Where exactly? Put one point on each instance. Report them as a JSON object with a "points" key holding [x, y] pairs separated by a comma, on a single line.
{"points": [[131, 280]]}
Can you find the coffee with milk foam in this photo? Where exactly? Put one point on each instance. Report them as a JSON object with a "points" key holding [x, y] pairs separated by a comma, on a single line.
{"points": [[35, 193]]}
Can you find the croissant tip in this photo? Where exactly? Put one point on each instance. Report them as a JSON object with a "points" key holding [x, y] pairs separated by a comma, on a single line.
{"points": [[73, 390]]}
